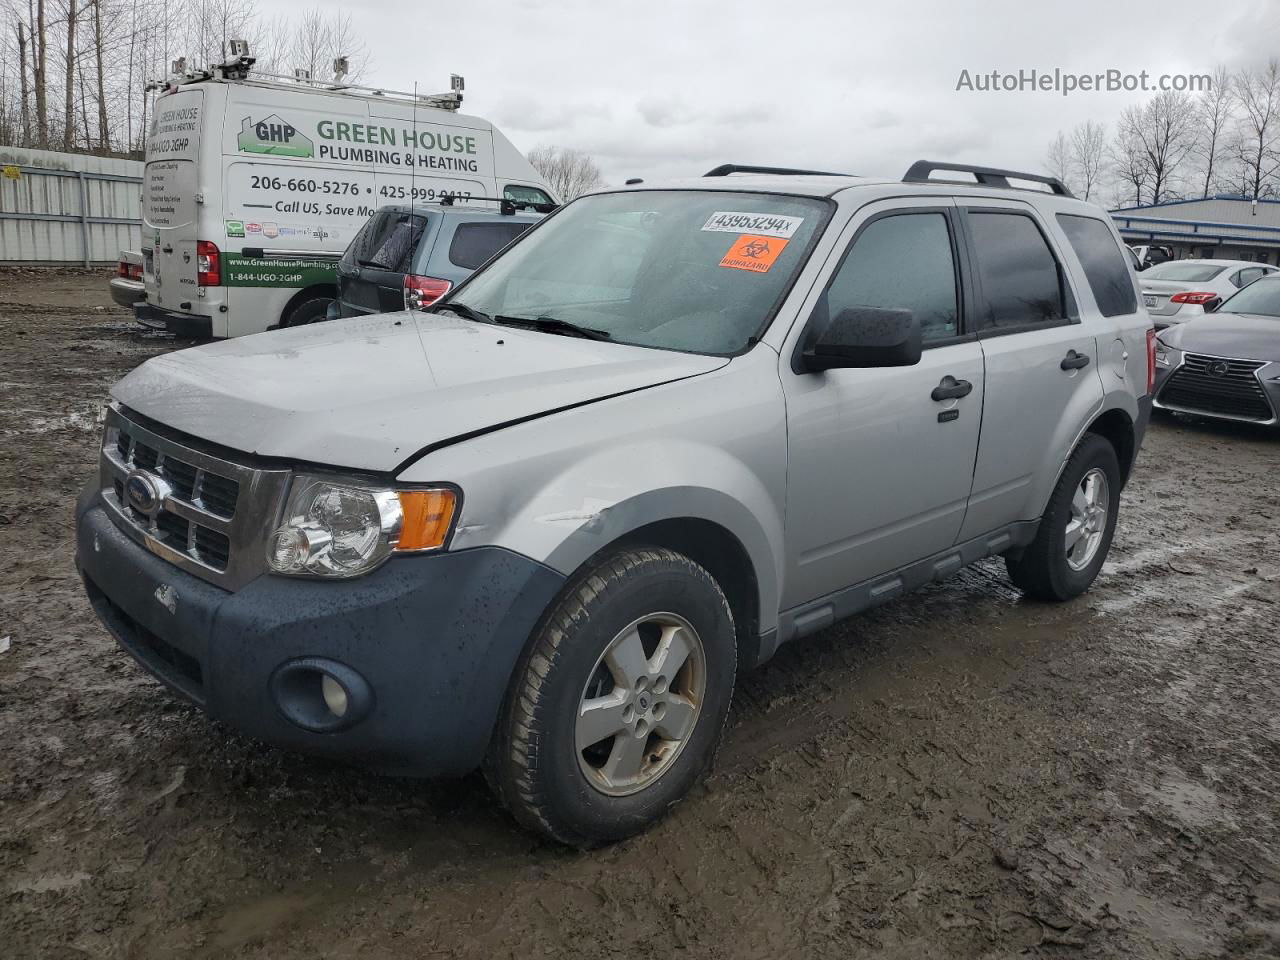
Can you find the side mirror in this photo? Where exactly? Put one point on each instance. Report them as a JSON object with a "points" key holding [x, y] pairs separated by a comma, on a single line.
{"points": [[1212, 306], [860, 337]]}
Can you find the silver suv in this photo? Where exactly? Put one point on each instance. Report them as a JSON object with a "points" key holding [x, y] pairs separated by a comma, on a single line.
{"points": [[541, 527]]}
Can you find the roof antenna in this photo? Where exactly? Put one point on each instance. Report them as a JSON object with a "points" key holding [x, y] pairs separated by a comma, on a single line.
{"points": [[413, 156]]}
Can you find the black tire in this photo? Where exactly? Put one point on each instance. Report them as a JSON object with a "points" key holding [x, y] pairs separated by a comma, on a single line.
{"points": [[1042, 570], [308, 311], [534, 763]]}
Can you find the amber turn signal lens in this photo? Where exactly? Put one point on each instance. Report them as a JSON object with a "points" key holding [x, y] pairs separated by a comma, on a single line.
{"points": [[427, 517]]}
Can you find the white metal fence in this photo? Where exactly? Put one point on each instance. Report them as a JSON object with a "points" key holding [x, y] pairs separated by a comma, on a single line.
{"points": [[67, 207]]}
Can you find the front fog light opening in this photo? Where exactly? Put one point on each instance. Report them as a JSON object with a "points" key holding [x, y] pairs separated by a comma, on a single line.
{"points": [[321, 695]]}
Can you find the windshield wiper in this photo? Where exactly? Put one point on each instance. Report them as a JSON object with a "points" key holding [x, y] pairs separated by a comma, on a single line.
{"points": [[555, 325], [462, 310]]}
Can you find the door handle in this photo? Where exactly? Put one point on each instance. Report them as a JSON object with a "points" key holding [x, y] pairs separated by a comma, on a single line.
{"points": [[1074, 361], [951, 389], [167, 249]]}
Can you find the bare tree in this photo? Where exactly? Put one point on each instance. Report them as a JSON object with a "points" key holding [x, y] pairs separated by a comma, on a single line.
{"points": [[570, 173], [69, 121], [1214, 113], [1163, 131], [1256, 145], [1057, 160], [1129, 159], [1088, 154], [22, 71]]}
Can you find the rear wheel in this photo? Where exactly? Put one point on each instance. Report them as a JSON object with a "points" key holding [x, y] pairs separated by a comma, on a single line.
{"points": [[617, 705], [1076, 529], [308, 311]]}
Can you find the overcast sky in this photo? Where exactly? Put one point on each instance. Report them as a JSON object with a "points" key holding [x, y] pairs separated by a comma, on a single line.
{"points": [[664, 88]]}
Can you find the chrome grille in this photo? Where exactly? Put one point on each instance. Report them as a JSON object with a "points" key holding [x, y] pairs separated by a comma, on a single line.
{"points": [[1217, 386], [215, 514]]}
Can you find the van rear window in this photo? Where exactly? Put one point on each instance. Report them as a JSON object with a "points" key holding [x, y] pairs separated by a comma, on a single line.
{"points": [[474, 243]]}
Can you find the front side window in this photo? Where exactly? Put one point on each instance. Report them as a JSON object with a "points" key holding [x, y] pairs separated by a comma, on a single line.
{"points": [[1103, 263], [523, 194], [901, 262], [690, 270], [474, 243], [1018, 272], [1181, 272]]}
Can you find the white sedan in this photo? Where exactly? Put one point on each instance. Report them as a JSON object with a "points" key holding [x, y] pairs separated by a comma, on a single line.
{"points": [[1181, 289]]}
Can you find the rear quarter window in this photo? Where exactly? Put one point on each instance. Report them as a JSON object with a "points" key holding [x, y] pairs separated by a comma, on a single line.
{"points": [[387, 241], [1103, 263], [474, 243]]}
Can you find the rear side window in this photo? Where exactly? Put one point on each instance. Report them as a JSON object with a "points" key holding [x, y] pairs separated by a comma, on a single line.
{"points": [[1017, 270], [387, 241], [902, 262], [474, 243], [1103, 263]]}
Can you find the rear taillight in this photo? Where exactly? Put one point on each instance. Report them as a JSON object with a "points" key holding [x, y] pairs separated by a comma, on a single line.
{"points": [[135, 271], [122, 269], [421, 292], [208, 264], [1151, 361], [1197, 296]]}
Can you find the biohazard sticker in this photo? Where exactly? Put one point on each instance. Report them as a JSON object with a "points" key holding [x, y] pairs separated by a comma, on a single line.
{"points": [[754, 253], [761, 224]]}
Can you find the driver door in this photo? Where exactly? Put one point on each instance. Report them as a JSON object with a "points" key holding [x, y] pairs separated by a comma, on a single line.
{"points": [[880, 471]]}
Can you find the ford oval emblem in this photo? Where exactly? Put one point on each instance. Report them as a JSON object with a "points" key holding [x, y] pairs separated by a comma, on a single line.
{"points": [[144, 492]]}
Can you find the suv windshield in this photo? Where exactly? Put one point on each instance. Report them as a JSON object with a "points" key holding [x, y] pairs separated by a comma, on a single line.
{"points": [[679, 270], [1187, 272], [1260, 297]]}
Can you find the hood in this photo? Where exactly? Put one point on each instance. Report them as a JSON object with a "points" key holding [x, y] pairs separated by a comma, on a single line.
{"points": [[369, 393], [1240, 335]]}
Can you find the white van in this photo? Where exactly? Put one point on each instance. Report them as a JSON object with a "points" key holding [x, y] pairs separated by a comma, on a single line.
{"points": [[254, 186]]}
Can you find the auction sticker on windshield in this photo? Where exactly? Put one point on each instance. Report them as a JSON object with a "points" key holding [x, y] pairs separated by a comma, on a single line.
{"points": [[760, 224], [754, 253]]}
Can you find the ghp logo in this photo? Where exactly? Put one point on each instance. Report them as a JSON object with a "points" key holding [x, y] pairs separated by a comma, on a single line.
{"points": [[274, 136]]}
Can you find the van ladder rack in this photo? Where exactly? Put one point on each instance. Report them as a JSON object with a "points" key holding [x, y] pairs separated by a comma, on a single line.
{"points": [[986, 176], [727, 168]]}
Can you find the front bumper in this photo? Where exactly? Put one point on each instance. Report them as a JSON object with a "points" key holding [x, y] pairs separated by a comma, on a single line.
{"points": [[434, 637], [126, 292], [191, 325]]}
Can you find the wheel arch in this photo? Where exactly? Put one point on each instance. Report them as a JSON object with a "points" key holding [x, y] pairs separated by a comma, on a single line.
{"points": [[313, 292], [1117, 428]]}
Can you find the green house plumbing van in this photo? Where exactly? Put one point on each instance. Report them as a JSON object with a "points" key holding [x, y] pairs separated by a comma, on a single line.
{"points": [[254, 186]]}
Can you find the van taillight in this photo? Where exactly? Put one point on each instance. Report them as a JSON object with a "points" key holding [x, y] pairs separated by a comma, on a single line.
{"points": [[421, 292], [1151, 361], [208, 264]]}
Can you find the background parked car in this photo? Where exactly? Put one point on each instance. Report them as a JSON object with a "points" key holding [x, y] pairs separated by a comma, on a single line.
{"points": [[1181, 289], [1227, 364], [409, 257], [1150, 256], [126, 285]]}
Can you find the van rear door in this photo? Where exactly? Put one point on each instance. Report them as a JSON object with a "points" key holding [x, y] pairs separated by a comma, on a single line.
{"points": [[170, 185]]}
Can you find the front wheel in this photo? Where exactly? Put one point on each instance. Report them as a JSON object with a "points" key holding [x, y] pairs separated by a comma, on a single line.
{"points": [[617, 706], [1076, 529]]}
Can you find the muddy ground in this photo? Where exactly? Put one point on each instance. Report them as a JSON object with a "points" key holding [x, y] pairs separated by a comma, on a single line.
{"points": [[960, 774]]}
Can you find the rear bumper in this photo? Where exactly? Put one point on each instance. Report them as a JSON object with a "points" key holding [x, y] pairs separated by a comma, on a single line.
{"points": [[433, 638], [126, 292], [179, 324]]}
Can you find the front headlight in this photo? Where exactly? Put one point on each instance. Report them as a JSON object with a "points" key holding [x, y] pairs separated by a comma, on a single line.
{"points": [[340, 528]]}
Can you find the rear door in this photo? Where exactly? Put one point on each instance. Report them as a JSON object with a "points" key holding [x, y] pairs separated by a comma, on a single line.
{"points": [[1041, 362], [372, 270], [169, 207]]}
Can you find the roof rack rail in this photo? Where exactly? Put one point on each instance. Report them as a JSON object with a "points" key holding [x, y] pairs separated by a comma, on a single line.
{"points": [[506, 206], [987, 176], [727, 168]]}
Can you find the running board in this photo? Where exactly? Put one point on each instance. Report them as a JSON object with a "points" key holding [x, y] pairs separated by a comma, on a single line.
{"points": [[819, 614]]}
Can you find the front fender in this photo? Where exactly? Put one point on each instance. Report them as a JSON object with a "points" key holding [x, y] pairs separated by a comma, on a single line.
{"points": [[561, 488]]}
